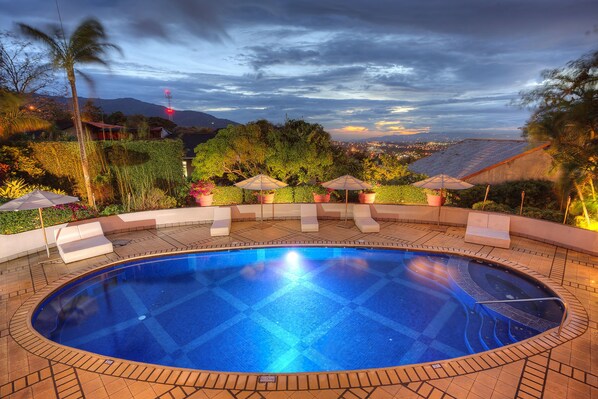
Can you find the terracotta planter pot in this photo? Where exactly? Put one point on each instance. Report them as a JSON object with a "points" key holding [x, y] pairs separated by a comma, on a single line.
{"points": [[435, 200], [367, 198], [265, 198], [321, 197], [205, 200]]}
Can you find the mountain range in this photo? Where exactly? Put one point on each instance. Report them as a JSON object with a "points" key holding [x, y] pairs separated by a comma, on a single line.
{"points": [[131, 106]]}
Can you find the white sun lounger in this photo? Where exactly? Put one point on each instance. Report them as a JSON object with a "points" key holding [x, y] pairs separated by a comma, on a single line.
{"points": [[309, 218], [222, 221], [488, 229], [81, 242], [363, 219]]}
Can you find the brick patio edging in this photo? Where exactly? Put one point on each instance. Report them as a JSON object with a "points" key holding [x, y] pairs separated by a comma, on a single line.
{"points": [[23, 333]]}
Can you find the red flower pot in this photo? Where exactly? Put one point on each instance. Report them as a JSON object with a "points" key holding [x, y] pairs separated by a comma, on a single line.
{"points": [[367, 198], [205, 200], [265, 198], [435, 200], [321, 197]]}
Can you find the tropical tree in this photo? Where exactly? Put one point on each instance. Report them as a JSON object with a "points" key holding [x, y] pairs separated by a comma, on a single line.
{"points": [[565, 111], [86, 45], [15, 117], [296, 152], [22, 69]]}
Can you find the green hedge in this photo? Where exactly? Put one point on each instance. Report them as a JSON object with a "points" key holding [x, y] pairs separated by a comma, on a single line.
{"points": [[400, 195], [228, 195], [18, 222], [304, 193], [116, 167]]}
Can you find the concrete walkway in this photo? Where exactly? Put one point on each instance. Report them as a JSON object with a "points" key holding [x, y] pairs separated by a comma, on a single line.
{"points": [[548, 367]]}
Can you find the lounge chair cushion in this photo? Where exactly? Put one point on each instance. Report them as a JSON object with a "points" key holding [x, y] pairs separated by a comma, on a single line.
{"points": [[81, 242], [363, 219], [309, 218], [222, 222], [488, 229]]}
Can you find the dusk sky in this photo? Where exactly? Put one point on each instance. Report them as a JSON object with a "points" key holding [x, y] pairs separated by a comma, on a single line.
{"points": [[360, 69]]}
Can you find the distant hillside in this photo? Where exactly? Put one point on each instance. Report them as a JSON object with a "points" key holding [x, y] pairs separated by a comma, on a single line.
{"points": [[130, 106]]}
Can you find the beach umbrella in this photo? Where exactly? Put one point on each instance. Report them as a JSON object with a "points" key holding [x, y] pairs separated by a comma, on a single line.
{"points": [[261, 183], [37, 200], [346, 182], [442, 182]]}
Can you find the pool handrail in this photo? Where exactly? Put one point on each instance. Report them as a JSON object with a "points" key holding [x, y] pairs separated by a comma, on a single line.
{"points": [[550, 298]]}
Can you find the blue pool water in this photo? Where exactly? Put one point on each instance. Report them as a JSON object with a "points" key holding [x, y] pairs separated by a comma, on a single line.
{"points": [[290, 310]]}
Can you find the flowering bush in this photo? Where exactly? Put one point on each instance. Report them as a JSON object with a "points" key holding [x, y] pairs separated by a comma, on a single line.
{"points": [[201, 188]]}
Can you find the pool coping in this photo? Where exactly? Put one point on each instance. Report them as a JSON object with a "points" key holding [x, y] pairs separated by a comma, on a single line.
{"points": [[23, 333]]}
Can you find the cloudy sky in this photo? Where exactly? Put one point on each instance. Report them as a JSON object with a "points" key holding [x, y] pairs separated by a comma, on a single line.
{"points": [[360, 68]]}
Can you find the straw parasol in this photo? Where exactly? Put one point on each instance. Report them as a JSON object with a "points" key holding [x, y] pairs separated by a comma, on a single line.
{"points": [[346, 182], [259, 183], [37, 200], [442, 182]]}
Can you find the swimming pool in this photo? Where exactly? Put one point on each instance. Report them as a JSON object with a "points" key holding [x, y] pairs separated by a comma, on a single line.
{"points": [[281, 310]]}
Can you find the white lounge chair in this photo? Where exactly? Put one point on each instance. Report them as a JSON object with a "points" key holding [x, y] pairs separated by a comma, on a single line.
{"points": [[81, 242], [363, 219], [222, 221], [309, 218], [488, 229]]}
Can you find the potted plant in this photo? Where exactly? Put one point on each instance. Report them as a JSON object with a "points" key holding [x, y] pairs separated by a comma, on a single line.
{"points": [[367, 196], [435, 197], [266, 197], [202, 192], [322, 194]]}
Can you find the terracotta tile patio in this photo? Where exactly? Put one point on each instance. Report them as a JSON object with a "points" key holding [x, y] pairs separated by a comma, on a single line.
{"points": [[548, 367]]}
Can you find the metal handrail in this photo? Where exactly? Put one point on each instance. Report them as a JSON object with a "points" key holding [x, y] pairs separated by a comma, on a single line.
{"points": [[550, 298]]}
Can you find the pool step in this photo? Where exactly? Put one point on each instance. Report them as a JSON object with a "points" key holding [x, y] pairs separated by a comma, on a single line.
{"points": [[484, 332]]}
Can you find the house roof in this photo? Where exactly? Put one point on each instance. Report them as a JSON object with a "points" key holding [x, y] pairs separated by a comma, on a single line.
{"points": [[473, 156], [192, 140]]}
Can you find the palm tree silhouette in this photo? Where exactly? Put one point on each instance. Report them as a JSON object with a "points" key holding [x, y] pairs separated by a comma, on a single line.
{"points": [[86, 45]]}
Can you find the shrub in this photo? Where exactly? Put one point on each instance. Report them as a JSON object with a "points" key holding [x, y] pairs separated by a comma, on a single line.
{"points": [[538, 194], [304, 193], [492, 206], [546, 214], [230, 195], [16, 188], [155, 198], [284, 195], [400, 195], [112, 209], [18, 222]]}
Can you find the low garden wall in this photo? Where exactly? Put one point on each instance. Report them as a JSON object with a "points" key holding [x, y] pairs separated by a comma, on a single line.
{"points": [[16, 245]]}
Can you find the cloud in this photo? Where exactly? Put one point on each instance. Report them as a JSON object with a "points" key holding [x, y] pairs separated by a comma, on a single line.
{"points": [[387, 67]]}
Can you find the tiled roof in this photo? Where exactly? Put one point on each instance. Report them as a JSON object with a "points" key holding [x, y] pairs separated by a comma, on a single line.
{"points": [[192, 140], [469, 157]]}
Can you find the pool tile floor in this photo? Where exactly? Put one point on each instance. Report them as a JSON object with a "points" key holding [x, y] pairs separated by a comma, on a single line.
{"points": [[567, 369]]}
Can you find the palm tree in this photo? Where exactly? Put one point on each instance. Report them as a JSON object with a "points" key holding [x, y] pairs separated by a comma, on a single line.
{"points": [[87, 45], [15, 118]]}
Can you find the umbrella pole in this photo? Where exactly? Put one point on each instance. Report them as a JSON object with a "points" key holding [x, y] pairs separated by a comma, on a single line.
{"points": [[41, 219], [346, 204], [261, 208]]}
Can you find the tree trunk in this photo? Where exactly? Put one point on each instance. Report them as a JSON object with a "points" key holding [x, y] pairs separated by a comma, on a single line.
{"points": [[583, 204], [81, 139]]}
